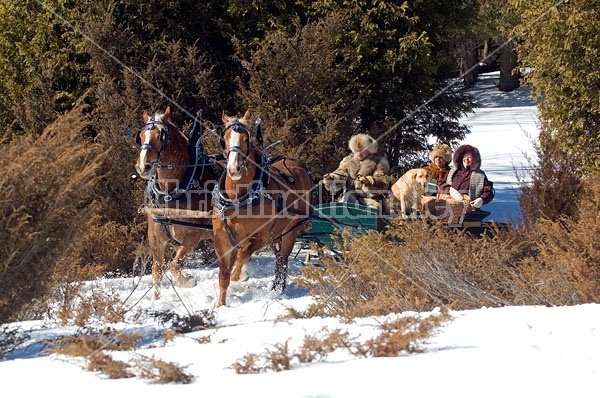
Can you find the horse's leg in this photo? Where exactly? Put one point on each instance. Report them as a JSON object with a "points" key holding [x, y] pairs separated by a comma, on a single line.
{"points": [[157, 242], [182, 279], [157, 270], [189, 239], [225, 255], [225, 261], [282, 248], [239, 273]]}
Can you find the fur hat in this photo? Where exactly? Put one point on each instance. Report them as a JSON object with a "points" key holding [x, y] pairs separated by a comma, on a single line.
{"points": [[360, 142], [460, 153], [443, 151]]}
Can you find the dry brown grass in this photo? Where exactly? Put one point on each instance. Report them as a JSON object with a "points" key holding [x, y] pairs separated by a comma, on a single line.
{"points": [[553, 189], [93, 346], [566, 265], [400, 335], [317, 347], [69, 212], [86, 344], [79, 308], [105, 364], [161, 372]]}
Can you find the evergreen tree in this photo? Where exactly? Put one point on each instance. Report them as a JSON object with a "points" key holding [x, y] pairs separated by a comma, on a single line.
{"points": [[559, 42], [394, 59], [43, 63]]}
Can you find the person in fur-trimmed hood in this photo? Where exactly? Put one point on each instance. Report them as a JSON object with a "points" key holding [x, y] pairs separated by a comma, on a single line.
{"points": [[363, 175], [466, 188], [466, 180]]}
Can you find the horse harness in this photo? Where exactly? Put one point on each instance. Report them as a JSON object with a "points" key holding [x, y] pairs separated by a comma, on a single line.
{"points": [[191, 180], [258, 188]]}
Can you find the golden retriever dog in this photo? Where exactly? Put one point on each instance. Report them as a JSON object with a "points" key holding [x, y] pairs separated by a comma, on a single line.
{"points": [[409, 189]]}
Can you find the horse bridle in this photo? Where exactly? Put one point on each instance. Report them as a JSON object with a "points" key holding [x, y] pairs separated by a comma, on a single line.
{"points": [[236, 126], [163, 137]]}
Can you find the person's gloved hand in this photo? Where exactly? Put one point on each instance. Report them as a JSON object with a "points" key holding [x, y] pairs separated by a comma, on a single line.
{"points": [[455, 194], [367, 180], [477, 203]]}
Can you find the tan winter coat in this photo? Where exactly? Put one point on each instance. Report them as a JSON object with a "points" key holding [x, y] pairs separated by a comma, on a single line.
{"points": [[351, 169]]}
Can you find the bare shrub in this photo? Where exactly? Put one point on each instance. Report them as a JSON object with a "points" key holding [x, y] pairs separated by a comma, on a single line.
{"points": [[565, 268], [48, 184], [161, 372], [92, 345], [83, 307], [279, 357], [249, 364], [418, 266], [555, 187], [185, 324], [402, 335], [88, 342], [315, 348], [104, 363]]}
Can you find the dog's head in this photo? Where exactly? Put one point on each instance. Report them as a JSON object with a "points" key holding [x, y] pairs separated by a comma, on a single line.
{"points": [[422, 177]]}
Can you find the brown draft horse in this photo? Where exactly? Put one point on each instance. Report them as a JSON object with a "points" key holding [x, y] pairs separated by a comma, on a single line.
{"points": [[175, 182], [258, 201]]}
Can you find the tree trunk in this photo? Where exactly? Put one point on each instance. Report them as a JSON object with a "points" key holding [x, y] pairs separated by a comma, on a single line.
{"points": [[469, 62], [509, 76]]}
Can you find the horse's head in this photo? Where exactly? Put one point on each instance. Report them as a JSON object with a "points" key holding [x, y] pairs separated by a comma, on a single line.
{"points": [[237, 144], [152, 139]]}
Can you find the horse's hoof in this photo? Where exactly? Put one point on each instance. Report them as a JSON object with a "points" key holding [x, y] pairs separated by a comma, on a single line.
{"points": [[278, 287], [244, 275], [186, 280]]}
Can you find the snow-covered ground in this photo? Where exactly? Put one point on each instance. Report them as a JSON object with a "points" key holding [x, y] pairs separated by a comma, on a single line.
{"points": [[503, 128], [522, 351]]}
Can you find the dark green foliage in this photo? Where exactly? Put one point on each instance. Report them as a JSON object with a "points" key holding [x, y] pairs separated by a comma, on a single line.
{"points": [[559, 41], [296, 85], [370, 67], [43, 64]]}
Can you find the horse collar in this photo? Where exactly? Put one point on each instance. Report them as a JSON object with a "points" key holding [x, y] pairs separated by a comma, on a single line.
{"points": [[251, 199]]}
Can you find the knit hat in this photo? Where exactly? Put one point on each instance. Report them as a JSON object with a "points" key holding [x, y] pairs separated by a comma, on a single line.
{"points": [[443, 151], [360, 142]]}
